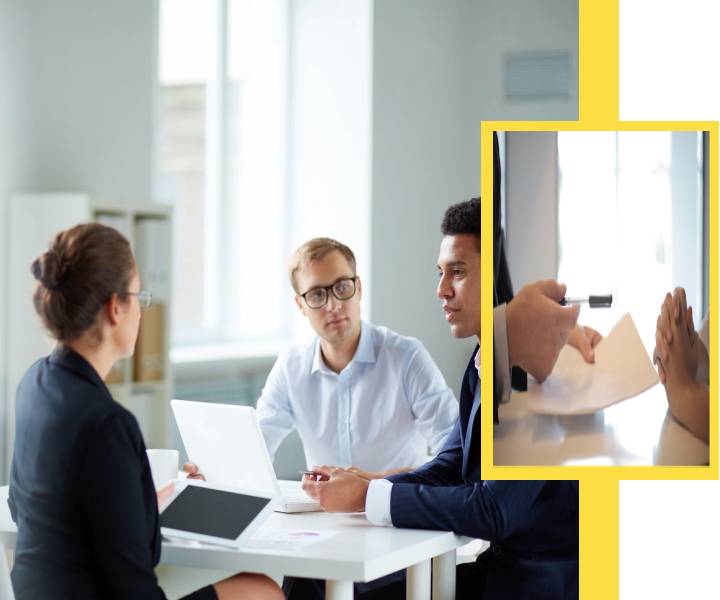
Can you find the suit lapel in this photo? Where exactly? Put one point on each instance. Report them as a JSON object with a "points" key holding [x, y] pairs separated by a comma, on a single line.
{"points": [[469, 412]]}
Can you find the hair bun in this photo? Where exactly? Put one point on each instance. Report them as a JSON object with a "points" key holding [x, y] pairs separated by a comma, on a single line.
{"points": [[49, 269]]}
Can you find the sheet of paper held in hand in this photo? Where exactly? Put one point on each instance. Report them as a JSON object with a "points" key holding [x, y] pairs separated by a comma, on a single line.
{"points": [[622, 369]]}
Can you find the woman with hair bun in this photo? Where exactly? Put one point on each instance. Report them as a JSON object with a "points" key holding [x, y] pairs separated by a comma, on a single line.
{"points": [[81, 491]]}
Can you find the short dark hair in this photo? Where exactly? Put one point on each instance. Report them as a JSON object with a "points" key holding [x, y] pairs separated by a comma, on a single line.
{"points": [[83, 267], [463, 217]]}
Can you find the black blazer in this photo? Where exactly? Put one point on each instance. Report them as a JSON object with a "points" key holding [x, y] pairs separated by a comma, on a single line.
{"points": [[81, 492], [502, 284], [533, 525]]}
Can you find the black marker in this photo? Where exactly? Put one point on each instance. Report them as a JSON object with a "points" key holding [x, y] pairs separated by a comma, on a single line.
{"points": [[594, 301]]}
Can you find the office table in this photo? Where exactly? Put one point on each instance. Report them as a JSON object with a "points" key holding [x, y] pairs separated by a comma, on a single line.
{"points": [[637, 431], [358, 552]]}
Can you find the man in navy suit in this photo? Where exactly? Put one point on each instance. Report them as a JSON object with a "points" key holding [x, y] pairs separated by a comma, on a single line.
{"points": [[532, 525]]}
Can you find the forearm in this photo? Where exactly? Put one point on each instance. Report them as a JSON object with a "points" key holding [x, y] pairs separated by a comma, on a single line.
{"points": [[389, 472], [689, 404]]}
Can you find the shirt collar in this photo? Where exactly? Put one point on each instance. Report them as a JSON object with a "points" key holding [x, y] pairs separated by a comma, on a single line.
{"points": [[365, 351], [71, 360], [477, 362]]}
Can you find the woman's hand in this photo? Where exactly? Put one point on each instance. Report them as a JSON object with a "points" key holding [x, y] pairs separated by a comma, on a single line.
{"points": [[164, 493], [193, 471]]}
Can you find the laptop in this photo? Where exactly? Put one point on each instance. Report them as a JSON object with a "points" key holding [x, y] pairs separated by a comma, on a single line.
{"points": [[226, 443]]}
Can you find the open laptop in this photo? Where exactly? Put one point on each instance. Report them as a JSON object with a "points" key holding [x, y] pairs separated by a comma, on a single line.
{"points": [[226, 443]]}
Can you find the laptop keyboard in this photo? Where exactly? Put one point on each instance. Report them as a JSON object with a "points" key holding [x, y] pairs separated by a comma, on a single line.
{"points": [[292, 492]]}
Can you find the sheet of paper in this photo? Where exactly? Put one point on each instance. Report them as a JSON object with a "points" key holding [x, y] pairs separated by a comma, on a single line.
{"points": [[286, 539], [622, 369]]}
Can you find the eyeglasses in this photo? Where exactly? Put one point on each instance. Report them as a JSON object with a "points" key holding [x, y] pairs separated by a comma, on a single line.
{"points": [[144, 298], [342, 289]]}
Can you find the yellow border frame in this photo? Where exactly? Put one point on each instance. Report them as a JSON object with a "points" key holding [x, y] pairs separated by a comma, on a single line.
{"points": [[598, 110], [613, 473]]}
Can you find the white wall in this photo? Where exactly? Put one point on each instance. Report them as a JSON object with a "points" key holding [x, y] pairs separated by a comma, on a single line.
{"points": [[437, 74], [531, 184], [14, 163], [92, 82], [496, 27], [77, 80]]}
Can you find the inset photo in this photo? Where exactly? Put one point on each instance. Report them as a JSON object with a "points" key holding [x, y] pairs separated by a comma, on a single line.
{"points": [[603, 273]]}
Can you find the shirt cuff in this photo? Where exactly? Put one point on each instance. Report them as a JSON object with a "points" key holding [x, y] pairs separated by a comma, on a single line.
{"points": [[377, 502], [501, 354]]}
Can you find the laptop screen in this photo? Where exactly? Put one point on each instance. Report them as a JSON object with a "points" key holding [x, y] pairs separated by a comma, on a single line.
{"points": [[226, 444]]}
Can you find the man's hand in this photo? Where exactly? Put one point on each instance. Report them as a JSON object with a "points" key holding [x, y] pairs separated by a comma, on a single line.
{"points": [[193, 472], [675, 353], [343, 492], [585, 339], [538, 327]]}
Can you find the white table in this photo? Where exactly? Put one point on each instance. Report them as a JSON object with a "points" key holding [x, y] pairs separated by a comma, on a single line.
{"points": [[637, 431], [358, 552]]}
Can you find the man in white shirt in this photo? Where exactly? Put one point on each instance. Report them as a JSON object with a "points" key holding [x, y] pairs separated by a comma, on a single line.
{"points": [[358, 394]]}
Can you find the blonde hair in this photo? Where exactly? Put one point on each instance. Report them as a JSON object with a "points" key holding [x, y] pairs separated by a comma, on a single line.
{"points": [[317, 249]]}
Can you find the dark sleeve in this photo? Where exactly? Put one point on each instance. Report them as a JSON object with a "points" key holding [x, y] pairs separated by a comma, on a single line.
{"points": [[11, 505], [121, 510], [490, 510], [502, 284], [444, 469]]}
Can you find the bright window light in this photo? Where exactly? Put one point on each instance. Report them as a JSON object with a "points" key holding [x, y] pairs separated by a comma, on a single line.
{"points": [[630, 221]]}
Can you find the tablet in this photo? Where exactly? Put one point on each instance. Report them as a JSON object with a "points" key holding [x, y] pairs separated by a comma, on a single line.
{"points": [[215, 514]]}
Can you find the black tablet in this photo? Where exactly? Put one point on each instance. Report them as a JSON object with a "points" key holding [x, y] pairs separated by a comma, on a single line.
{"points": [[214, 514]]}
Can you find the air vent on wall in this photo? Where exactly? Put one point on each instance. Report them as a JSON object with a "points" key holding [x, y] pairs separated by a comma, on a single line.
{"points": [[537, 75]]}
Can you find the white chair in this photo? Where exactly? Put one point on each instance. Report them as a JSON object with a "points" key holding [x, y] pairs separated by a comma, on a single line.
{"points": [[6, 590]]}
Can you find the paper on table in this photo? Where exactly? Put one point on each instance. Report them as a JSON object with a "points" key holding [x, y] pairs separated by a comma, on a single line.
{"points": [[622, 369], [286, 539]]}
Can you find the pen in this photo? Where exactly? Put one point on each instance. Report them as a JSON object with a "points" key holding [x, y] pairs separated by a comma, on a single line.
{"points": [[603, 301]]}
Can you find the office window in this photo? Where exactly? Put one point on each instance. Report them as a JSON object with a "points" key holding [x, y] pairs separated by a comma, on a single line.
{"points": [[630, 221], [263, 143], [221, 163]]}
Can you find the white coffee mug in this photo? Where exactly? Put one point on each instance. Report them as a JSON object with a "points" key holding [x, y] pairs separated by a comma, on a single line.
{"points": [[163, 465]]}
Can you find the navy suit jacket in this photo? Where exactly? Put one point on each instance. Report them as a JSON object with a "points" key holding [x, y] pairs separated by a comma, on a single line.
{"points": [[81, 492], [532, 525], [502, 284]]}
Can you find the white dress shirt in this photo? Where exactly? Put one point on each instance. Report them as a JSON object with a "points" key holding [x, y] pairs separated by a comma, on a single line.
{"points": [[377, 500], [384, 410]]}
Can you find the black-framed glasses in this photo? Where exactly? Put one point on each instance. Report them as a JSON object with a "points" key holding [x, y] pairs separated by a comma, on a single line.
{"points": [[342, 289], [144, 298]]}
